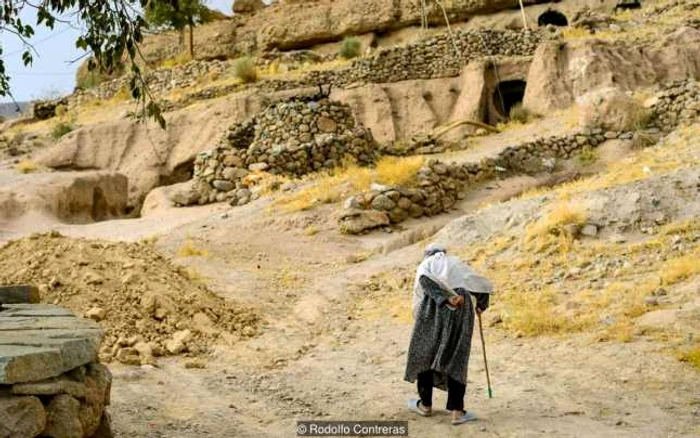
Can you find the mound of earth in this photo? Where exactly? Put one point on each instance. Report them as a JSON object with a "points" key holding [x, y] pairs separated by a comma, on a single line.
{"points": [[147, 305]]}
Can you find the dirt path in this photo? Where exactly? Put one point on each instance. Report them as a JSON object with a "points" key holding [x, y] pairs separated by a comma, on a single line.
{"points": [[319, 358], [329, 349]]}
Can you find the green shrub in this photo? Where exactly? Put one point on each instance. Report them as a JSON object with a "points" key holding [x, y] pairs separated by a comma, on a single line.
{"points": [[60, 129], [350, 48], [245, 70], [518, 113]]}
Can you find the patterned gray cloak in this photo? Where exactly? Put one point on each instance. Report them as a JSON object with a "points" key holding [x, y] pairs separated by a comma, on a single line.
{"points": [[442, 337]]}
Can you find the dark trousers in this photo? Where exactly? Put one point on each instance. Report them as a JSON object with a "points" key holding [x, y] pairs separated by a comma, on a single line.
{"points": [[455, 392]]}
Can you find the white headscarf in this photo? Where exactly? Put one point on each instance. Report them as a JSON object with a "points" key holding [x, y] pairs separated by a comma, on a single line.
{"points": [[449, 273]]}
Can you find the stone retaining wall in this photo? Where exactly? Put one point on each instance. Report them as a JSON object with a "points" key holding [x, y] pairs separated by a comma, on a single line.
{"points": [[294, 137], [50, 381], [678, 104], [438, 186], [433, 57]]}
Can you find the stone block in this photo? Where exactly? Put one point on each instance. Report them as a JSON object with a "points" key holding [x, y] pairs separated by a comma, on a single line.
{"points": [[38, 342], [21, 417], [63, 418]]}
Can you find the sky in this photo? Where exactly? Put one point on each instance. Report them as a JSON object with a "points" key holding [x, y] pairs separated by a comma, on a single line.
{"points": [[53, 72]]}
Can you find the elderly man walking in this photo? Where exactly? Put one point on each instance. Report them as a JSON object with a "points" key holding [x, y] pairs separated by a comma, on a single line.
{"points": [[438, 356]]}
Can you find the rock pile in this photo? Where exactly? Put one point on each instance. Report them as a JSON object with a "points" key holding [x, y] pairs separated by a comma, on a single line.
{"points": [[678, 104], [50, 381], [46, 109], [147, 306], [294, 137]]}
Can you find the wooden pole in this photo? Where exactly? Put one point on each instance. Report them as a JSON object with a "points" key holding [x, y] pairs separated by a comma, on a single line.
{"points": [[522, 9], [483, 347]]}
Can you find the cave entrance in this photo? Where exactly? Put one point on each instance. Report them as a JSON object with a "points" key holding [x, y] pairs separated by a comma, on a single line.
{"points": [[507, 95], [181, 173], [628, 4], [552, 17]]}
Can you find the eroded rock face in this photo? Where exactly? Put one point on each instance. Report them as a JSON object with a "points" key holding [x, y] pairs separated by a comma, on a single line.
{"points": [[321, 21], [562, 72], [71, 197], [612, 110]]}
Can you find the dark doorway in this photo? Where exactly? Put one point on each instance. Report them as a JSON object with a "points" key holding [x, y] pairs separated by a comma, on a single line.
{"points": [[507, 95], [628, 4], [100, 207], [552, 17]]}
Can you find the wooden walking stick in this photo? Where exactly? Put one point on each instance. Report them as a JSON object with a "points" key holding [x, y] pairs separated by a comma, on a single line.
{"points": [[483, 349]]}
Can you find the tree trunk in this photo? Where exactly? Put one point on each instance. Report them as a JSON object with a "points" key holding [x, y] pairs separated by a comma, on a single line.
{"points": [[190, 46], [181, 39]]}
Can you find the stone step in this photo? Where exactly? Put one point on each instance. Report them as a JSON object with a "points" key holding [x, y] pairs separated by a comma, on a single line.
{"points": [[38, 342]]}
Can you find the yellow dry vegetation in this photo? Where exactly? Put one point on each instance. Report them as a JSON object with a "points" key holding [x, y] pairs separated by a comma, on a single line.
{"points": [[26, 166], [550, 232], [189, 249], [690, 355], [573, 290], [676, 152], [332, 186], [179, 59], [680, 268]]}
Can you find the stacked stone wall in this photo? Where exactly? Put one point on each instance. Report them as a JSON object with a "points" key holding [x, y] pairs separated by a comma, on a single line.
{"points": [[50, 381], [438, 185], [433, 57], [678, 104], [292, 138]]}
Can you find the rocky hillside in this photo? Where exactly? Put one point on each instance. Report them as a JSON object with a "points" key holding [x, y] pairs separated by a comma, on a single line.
{"points": [[270, 233]]}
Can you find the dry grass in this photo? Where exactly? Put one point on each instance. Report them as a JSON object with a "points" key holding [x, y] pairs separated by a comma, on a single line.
{"points": [[311, 230], [333, 186], [245, 70], [533, 314], [189, 249], [555, 222], [690, 355], [680, 268], [677, 152], [180, 59], [26, 166]]}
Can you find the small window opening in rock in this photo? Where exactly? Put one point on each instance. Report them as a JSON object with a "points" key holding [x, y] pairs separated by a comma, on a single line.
{"points": [[552, 17], [629, 4], [507, 95]]}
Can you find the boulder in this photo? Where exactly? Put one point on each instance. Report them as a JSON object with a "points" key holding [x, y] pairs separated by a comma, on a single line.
{"points": [[184, 193], [612, 110], [359, 221], [63, 418], [21, 417], [178, 343], [247, 6]]}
